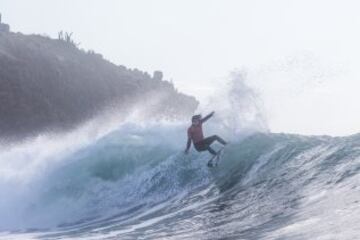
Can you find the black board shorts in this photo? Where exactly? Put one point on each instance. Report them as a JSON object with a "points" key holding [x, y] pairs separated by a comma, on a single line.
{"points": [[204, 144]]}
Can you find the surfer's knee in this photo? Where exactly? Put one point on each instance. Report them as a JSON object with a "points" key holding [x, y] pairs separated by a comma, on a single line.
{"points": [[219, 139], [214, 137]]}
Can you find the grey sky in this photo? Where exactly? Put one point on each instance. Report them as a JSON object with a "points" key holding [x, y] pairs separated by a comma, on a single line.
{"points": [[302, 56]]}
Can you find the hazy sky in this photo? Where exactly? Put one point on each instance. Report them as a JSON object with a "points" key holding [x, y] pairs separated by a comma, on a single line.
{"points": [[302, 57]]}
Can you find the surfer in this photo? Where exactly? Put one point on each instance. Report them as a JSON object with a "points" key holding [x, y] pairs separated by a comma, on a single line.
{"points": [[195, 135]]}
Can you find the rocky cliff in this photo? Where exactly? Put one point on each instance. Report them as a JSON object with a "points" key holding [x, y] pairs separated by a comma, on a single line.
{"points": [[50, 84]]}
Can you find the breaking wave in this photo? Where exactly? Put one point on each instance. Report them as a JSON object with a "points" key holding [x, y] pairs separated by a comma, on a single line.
{"points": [[136, 183]]}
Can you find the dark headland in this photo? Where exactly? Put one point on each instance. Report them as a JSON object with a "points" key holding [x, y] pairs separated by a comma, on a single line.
{"points": [[52, 85]]}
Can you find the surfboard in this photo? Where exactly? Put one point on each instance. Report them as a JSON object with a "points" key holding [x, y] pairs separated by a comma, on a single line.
{"points": [[216, 157]]}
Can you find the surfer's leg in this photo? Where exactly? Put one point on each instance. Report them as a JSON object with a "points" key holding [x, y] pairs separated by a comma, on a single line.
{"points": [[201, 146], [213, 138], [220, 140], [206, 142], [209, 140], [204, 145], [212, 151]]}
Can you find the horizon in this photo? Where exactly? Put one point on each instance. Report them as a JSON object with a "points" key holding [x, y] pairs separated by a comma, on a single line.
{"points": [[303, 67]]}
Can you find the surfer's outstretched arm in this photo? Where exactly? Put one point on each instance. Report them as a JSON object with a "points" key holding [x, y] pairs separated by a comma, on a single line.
{"points": [[207, 117]]}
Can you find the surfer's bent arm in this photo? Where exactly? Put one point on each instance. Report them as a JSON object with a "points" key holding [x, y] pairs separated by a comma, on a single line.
{"points": [[188, 144], [207, 117]]}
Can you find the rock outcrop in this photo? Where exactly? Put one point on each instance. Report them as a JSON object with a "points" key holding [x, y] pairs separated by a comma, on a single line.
{"points": [[51, 85]]}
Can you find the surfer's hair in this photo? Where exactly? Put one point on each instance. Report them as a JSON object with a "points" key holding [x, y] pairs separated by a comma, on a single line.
{"points": [[196, 117]]}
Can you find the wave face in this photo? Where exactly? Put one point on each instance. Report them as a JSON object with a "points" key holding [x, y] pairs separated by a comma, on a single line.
{"points": [[135, 183]]}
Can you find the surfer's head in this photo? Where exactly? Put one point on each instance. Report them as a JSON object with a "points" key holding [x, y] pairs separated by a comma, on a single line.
{"points": [[196, 119]]}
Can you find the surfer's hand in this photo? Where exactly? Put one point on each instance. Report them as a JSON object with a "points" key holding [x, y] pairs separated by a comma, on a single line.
{"points": [[186, 151]]}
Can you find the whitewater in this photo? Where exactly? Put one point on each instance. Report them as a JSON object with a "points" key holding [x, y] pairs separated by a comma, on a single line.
{"points": [[135, 182]]}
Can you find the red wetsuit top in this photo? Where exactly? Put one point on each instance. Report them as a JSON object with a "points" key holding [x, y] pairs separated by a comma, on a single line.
{"points": [[195, 133]]}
